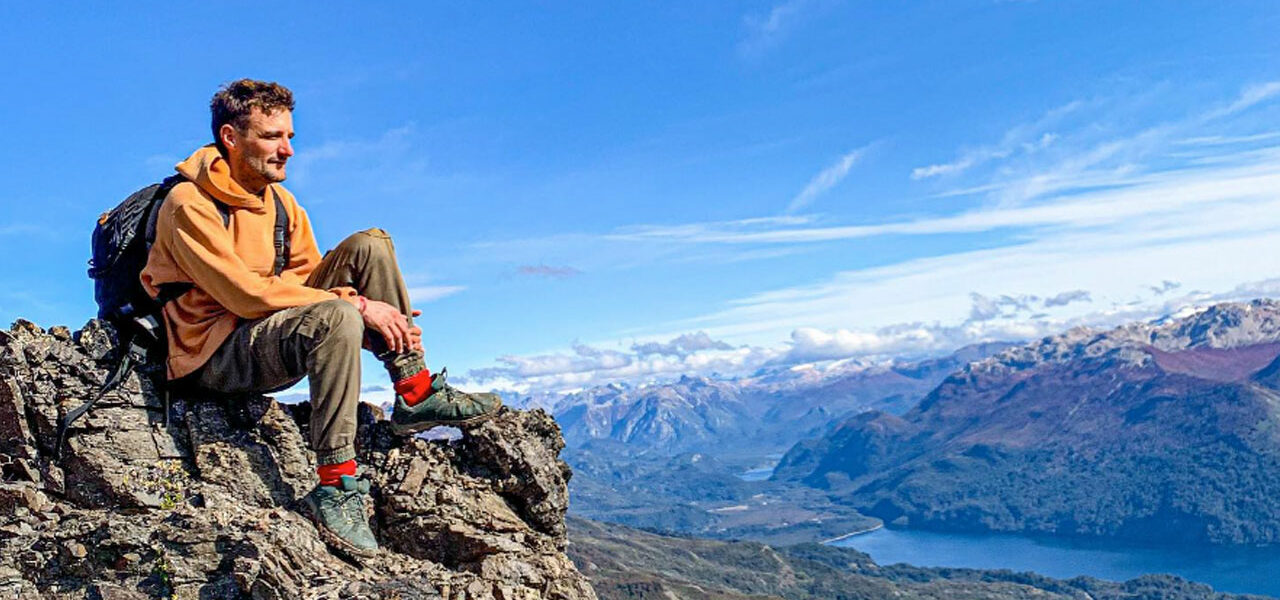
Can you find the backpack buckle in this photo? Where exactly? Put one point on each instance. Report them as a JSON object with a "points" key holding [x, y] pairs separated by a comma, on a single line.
{"points": [[149, 324]]}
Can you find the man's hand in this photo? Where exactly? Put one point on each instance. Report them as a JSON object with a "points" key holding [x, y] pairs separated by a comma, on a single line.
{"points": [[394, 326], [415, 334]]}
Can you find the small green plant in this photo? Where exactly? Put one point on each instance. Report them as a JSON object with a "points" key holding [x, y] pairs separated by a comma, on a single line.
{"points": [[162, 571], [167, 479]]}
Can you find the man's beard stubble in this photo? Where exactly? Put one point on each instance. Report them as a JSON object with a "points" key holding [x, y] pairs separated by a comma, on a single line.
{"points": [[262, 170]]}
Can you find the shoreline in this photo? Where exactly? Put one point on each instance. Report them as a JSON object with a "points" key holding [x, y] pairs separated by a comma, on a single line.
{"points": [[853, 533]]}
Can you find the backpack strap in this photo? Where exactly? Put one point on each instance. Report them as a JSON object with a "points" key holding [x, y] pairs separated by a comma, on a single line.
{"points": [[169, 292], [162, 192], [135, 355], [281, 238]]}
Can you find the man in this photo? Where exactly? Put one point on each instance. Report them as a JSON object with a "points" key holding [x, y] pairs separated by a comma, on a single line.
{"points": [[243, 328]]}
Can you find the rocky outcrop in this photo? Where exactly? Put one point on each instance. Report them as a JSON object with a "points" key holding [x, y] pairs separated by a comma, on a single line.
{"points": [[202, 507]]}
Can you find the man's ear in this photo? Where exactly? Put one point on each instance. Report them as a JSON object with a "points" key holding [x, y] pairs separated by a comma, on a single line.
{"points": [[228, 135]]}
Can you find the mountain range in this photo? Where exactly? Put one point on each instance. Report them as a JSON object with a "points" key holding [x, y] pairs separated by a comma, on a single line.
{"points": [[764, 413], [1160, 432]]}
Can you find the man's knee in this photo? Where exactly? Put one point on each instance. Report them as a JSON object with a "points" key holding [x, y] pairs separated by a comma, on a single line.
{"points": [[370, 244], [338, 319]]}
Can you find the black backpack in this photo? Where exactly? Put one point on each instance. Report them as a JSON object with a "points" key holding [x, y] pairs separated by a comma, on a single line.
{"points": [[121, 242]]}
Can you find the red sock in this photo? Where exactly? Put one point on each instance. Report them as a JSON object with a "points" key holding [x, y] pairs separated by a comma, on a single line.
{"points": [[332, 474], [414, 388]]}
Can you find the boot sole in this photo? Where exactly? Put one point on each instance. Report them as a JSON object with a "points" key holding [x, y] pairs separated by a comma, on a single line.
{"points": [[332, 540], [399, 429]]}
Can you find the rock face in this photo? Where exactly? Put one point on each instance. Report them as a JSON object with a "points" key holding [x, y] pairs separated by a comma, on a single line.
{"points": [[203, 507]]}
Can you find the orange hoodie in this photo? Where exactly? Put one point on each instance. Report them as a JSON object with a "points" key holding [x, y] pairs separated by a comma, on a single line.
{"points": [[229, 265]]}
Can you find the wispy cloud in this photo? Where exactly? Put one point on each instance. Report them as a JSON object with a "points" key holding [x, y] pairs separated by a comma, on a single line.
{"points": [[585, 365], [1193, 246], [1066, 298], [1095, 233], [1227, 140], [309, 159], [826, 179], [1249, 97], [429, 293], [1130, 198], [1085, 158], [28, 229], [1085, 182], [547, 271], [1028, 138], [761, 32], [986, 309], [683, 345]]}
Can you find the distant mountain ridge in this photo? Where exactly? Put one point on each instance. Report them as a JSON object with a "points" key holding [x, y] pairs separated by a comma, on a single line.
{"points": [[1220, 327], [768, 411], [1165, 431]]}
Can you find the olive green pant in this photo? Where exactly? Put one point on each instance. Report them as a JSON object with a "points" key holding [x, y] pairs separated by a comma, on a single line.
{"points": [[321, 341]]}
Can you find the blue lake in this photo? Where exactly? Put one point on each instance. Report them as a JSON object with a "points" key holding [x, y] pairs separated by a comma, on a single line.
{"points": [[1238, 570], [760, 474], [763, 471]]}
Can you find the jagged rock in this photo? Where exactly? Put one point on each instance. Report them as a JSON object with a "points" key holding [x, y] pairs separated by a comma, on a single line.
{"points": [[203, 507], [251, 446], [525, 467]]}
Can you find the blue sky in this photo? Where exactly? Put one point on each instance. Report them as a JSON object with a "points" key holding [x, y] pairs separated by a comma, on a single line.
{"points": [[582, 194]]}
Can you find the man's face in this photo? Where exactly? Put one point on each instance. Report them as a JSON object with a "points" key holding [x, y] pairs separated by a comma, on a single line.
{"points": [[258, 153]]}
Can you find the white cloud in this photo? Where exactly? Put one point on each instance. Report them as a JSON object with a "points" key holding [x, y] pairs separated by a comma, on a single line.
{"points": [[309, 159], [986, 309], [683, 345], [1028, 138], [28, 229], [1225, 140], [1131, 198], [1081, 158], [1066, 298], [428, 293], [763, 32], [1114, 264], [586, 365], [590, 366], [548, 271], [1249, 97], [826, 180]]}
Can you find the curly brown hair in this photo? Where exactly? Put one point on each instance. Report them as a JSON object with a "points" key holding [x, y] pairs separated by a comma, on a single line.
{"points": [[234, 101]]}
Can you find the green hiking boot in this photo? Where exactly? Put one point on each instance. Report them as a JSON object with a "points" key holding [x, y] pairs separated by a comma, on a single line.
{"points": [[339, 515], [444, 406]]}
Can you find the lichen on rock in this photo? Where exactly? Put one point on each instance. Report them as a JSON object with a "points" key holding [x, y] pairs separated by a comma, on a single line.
{"points": [[203, 507]]}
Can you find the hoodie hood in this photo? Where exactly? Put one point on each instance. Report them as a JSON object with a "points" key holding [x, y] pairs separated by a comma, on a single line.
{"points": [[208, 170]]}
